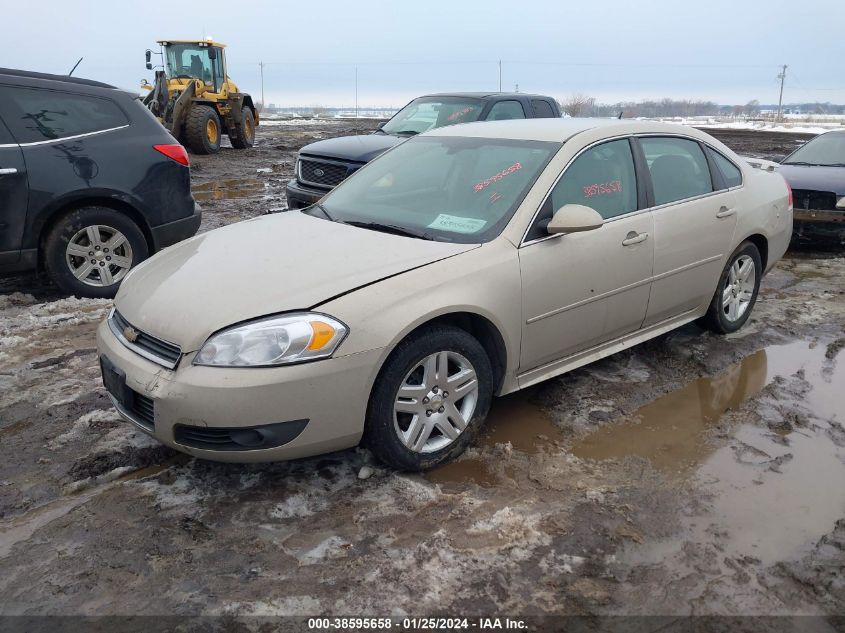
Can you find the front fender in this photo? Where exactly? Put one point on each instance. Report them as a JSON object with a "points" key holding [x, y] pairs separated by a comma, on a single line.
{"points": [[484, 281]]}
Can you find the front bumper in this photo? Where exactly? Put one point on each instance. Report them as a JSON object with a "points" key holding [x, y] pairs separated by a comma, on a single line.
{"points": [[300, 196], [811, 224], [176, 231], [329, 395]]}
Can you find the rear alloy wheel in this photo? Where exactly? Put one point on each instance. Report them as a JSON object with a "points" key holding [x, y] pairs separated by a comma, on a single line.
{"points": [[737, 291], [244, 136], [203, 130], [89, 251], [429, 399]]}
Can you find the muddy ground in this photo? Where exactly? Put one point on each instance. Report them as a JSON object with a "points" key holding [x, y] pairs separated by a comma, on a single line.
{"points": [[694, 474]]}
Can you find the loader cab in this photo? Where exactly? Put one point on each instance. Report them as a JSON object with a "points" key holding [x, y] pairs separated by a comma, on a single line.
{"points": [[203, 60]]}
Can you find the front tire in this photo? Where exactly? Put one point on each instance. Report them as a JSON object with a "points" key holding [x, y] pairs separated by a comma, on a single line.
{"points": [[89, 251], [244, 136], [202, 130], [736, 292], [429, 400]]}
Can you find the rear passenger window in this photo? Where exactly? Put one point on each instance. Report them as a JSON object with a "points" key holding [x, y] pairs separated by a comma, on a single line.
{"points": [[506, 110], [678, 168], [730, 172], [542, 109], [39, 115]]}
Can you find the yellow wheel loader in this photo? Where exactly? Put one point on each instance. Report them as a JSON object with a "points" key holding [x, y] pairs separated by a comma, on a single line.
{"points": [[196, 101]]}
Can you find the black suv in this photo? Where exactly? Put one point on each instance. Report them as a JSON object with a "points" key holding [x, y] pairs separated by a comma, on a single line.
{"points": [[323, 165], [90, 182]]}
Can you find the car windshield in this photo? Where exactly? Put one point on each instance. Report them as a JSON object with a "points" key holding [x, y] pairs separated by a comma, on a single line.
{"points": [[447, 188], [825, 149], [191, 60], [427, 113]]}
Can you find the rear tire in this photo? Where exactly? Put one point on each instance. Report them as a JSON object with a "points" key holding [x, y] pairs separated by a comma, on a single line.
{"points": [[203, 130], [413, 421], [736, 292], [244, 136], [89, 251]]}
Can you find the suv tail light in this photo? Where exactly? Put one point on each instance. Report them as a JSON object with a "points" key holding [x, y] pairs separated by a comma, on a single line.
{"points": [[175, 152]]}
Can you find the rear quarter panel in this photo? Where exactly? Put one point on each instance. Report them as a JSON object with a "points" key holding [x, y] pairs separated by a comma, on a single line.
{"points": [[763, 209]]}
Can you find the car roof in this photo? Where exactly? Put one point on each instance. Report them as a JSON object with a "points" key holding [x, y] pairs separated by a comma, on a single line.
{"points": [[484, 95], [559, 130], [28, 74]]}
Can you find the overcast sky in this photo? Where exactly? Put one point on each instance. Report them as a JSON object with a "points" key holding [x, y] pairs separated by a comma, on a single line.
{"points": [[725, 51]]}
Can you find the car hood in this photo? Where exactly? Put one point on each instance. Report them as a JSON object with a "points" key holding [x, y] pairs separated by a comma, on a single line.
{"points": [[360, 149], [815, 178], [276, 263]]}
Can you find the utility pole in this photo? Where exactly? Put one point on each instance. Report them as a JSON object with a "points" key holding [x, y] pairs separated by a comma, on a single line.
{"points": [[261, 65], [500, 75], [356, 92], [782, 77]]}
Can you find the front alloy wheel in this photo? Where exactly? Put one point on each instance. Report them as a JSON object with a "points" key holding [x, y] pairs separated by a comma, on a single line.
{"points": [[429, 399], [435, 401]]}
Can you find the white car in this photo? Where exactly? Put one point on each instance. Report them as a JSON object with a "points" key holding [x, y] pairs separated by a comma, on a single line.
{"points": [[470, 261]]}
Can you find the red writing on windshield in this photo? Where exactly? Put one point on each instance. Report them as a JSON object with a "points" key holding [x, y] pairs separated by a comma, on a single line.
{"points": [[460, 113], [495, 178], [599, 189]]}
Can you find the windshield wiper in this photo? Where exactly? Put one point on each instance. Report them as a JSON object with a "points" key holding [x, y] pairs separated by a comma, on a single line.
{"points": [[391, 228], [803, 164], [404, 132]]}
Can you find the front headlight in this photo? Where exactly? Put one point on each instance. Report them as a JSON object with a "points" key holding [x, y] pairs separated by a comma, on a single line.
{"points": [[279, 340]]}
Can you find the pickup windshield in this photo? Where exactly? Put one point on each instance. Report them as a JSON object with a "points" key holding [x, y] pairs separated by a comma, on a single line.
{"points": [[824, 150], [445, 188], [427, 113]]}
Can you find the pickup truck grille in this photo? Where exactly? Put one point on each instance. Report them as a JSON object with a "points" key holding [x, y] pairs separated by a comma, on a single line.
{"points": [[809, 199], [322, 174]]}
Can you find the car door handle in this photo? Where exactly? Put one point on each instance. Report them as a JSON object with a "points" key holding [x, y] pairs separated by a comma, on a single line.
{"points": [[5, 171], [724, 212], [634, 238]]}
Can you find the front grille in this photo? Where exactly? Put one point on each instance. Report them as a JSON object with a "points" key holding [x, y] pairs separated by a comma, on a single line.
{"points": [[150, 347], [323, 174], [143, 410], [810, 199]]}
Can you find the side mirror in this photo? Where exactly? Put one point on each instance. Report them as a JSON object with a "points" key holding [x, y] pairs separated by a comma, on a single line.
{"points": [[574, 218], [381, 125], [149, 66], [212, 53], [148, 54]]}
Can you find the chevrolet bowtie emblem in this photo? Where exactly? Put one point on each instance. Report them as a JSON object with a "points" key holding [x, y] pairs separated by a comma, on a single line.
{"points": [[130, 333]]}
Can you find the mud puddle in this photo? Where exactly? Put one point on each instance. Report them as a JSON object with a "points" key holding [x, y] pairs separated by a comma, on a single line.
{"points": [[673, 431], [228, 189], [773, 491], [513, 420]]}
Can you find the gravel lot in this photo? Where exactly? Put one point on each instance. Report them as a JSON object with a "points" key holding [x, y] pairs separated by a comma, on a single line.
{"points": [[694, 474]]}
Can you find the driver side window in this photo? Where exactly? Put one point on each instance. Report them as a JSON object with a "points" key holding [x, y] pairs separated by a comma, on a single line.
{"points": [[602, 178]]}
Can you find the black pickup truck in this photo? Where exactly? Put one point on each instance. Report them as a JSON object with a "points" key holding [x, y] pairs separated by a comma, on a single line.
{"points": [[322, 165]]}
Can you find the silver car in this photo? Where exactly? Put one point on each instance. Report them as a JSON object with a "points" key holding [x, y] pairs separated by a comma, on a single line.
{"points": [[466, 263]]}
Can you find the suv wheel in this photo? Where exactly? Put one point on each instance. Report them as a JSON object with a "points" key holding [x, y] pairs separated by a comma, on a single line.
{"points": [[202, 130], [244, 136], [737, 291], [90, 250], [429, 400]]}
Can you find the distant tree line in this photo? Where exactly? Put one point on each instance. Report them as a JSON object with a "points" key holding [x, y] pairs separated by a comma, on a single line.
{"points": [[584, 105]]}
